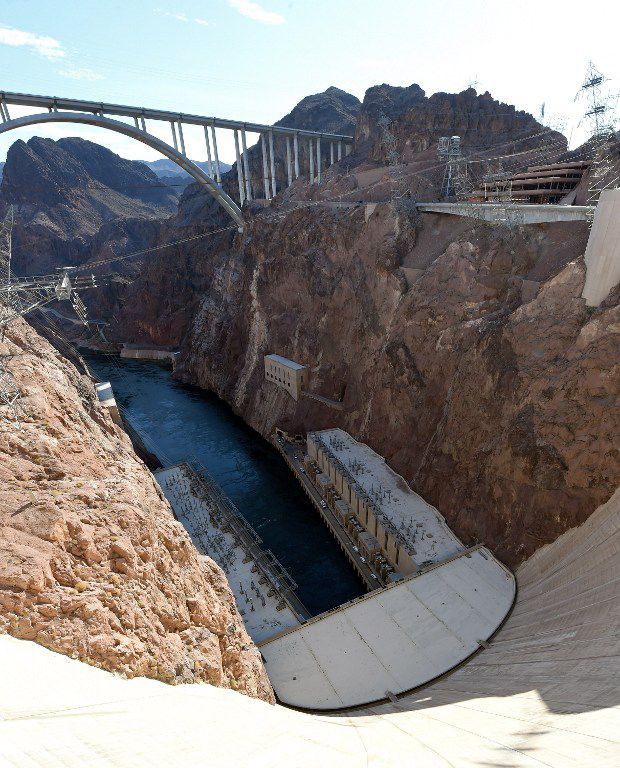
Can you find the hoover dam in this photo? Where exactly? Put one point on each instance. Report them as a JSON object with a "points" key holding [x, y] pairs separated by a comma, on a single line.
{"points": [[309, 392], [543, 693]]}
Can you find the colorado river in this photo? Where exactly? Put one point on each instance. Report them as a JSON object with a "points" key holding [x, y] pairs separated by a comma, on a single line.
{"points": [[183, 421]]}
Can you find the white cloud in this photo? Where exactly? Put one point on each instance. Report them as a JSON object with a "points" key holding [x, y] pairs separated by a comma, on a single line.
{"points": [[256, 12], [48, 47], [80, 74], [178, 16]]}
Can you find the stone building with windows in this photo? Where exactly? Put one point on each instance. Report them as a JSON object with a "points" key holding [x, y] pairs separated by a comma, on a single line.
{"points": [[287, 374]]}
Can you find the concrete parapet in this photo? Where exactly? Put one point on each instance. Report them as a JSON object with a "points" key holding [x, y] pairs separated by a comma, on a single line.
{"points": [[602, 254], [532, 214]]}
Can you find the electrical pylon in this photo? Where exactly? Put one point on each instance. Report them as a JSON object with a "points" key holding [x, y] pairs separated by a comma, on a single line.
{"points": [[18, 296]]}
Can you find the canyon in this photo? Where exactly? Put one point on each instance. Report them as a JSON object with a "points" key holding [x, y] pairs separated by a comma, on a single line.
{"points": [[467, 357]]}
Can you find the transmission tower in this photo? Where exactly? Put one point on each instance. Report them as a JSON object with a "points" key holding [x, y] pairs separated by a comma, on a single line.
{"points": [[449, 150], [401, 197], [18, 296], [599, 115]]}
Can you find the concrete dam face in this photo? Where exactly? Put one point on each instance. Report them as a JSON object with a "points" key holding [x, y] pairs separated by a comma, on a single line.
{"points": [[544, 692]]}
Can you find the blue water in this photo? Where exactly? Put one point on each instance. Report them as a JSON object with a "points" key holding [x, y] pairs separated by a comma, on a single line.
{"points": [[183, 421]]}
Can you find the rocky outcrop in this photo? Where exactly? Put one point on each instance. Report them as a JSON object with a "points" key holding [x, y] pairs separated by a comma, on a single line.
{"points": [[418, 121], [92, 561], [332, 111], [65, 191]]}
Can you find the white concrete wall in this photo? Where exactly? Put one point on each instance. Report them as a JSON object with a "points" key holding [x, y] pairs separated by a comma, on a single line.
{"points": [[157, 355], [393, 639], [544, 694], [603, 250]]}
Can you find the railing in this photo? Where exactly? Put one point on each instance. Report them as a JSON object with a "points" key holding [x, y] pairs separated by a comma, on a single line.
{"points": [[54, 103]]}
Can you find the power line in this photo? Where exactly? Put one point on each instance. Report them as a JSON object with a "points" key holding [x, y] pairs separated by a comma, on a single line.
{"points": [[124, 257]]}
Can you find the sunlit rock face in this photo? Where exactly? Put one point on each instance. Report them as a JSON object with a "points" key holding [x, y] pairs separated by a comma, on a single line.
{"points": [[92, 562]]}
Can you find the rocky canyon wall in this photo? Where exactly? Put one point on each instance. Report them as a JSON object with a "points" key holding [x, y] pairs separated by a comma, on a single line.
{"points": [[468, 358], [470, 361], [92, 561]]}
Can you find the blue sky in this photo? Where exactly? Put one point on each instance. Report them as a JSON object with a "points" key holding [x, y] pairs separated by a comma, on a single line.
{"points": [[254, 60]]}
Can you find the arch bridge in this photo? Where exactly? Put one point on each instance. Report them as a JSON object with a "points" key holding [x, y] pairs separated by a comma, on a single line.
{"points": [[103, 115]]}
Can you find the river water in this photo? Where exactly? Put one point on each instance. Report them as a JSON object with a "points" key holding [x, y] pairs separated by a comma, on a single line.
{"points": [[183, 421]]}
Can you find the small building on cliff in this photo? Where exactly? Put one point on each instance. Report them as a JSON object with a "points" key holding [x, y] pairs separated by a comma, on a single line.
{"points": [[287, 374]]}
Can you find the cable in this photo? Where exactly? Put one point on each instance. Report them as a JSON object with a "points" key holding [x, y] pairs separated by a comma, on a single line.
{"points": [[93, 264]]}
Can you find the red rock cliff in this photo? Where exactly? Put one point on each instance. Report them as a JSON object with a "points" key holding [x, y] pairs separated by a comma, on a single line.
{"points": [[470, 361], [92, 562]]}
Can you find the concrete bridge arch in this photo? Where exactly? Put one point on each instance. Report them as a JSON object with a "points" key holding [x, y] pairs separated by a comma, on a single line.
{"points": [[231, 208]]}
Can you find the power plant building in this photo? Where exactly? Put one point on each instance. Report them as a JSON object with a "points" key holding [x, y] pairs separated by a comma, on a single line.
{"points": [[395, 529]]}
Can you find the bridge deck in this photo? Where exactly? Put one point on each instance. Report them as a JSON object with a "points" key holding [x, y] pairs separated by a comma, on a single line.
{"points": [[121, 110]]}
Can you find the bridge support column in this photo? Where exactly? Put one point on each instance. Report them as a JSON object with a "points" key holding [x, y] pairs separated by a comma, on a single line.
{"points": [[331, 152], [182, 139], [311, 156], [272, 160], [318, 159], [143, 124], [296, 154], [239, 169], [246, 166], [263, 143], [289, 170], [218, 177], [174, 135], [339, 150], [347, 150], [208, 143]]}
